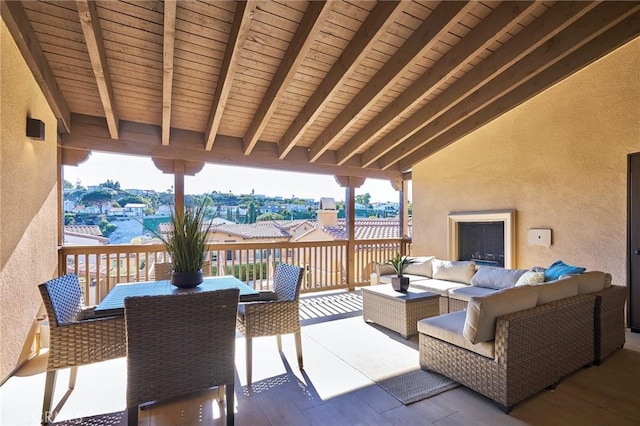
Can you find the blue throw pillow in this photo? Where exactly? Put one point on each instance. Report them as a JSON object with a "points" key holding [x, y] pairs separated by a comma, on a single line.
{"points": [[559, 268]]}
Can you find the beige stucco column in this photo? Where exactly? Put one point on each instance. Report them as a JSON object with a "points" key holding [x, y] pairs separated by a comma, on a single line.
{"points": [[350, 183]]}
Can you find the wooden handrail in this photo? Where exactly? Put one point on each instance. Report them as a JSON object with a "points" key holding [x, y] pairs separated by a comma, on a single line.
{"points": [[100, 268]]}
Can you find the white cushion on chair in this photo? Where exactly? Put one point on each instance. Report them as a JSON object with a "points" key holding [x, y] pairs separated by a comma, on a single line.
{"points": [[422, 266], [449, 328], [454, 270], [556, 290], [483, 311]]}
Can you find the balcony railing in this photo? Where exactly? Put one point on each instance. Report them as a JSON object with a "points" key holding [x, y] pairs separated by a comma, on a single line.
{"points": [[100, 268]]}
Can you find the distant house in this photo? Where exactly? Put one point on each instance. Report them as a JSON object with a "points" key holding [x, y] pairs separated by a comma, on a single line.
{"points": [[134, 209], [116, 211], [386, 209], [68, 205], [164, 210], [84, 235], [79, 209], [270, 208], [146, 192], [296, 207]]}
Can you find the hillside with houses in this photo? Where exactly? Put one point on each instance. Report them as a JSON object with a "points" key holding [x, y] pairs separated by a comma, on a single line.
{"points": [[107, 214]]}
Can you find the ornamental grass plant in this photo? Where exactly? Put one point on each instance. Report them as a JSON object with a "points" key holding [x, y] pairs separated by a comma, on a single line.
{"points": [[187, 241], [399, 263]]}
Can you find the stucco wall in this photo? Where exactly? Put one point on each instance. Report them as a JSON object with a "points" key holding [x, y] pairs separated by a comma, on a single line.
{"points": [[559, 159], [28, 205]]}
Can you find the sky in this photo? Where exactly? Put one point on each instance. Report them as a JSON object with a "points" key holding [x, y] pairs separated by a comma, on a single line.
{"points": [[140, 173]]}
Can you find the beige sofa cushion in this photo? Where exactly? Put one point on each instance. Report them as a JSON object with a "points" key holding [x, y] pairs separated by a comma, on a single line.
{"points": [[422, 266], [496, 278], [482, 312], [454, 270], [384, 269], [556, 290], [448, 327], [467, 292], [591, 281], [440, 287]]}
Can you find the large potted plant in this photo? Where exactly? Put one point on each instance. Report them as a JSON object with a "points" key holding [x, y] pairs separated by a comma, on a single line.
{"points": [[186, 244], [399, 263]]}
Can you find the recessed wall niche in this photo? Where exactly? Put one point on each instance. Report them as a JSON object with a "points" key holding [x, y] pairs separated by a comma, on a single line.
{"points": [[487, 237]]}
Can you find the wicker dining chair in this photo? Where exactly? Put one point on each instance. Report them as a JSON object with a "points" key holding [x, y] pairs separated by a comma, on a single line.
{"points": [[179, 344], [75, 337], [275, 314], [162, 271]]}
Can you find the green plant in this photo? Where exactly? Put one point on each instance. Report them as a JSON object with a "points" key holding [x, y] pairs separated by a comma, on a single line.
{"points": [[399, 263], [248, 272], [187, 242]]}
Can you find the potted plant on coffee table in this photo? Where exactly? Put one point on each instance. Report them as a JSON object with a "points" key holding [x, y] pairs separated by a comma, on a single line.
{"points": [[399, 263], [186, 244]]}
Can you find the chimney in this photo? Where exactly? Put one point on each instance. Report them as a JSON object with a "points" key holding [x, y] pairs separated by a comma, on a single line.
{"points": [[327, 213]]}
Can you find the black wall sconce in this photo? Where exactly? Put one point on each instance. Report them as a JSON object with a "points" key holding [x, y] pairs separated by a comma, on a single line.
{"points": [[35, 129]]}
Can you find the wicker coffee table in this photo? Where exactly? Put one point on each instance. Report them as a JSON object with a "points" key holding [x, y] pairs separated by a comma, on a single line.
{"points": [[397, 311]]}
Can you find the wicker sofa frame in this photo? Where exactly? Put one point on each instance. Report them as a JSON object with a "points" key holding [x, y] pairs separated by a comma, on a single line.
{"points": [[532, 352], [609, 320]]}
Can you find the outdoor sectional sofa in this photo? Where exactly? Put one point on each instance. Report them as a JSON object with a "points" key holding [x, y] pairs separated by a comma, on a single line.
{"points": [[508, 339]]}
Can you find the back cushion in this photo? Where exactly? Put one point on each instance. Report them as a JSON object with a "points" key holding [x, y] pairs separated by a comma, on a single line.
{"points": [[422, 266], [556, 290], [496, 278], [483, 311], [454, 270], [530, 278], [589, 282], [384, 269]]}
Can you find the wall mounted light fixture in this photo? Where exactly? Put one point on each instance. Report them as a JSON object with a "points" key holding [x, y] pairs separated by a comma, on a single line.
{"points": [[35, 128]]}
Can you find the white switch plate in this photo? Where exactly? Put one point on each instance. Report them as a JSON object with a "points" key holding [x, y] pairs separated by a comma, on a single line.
{"points": [[540, 237]]}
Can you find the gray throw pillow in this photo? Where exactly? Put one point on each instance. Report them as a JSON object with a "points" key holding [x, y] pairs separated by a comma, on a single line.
{"points": [[496, 278]]}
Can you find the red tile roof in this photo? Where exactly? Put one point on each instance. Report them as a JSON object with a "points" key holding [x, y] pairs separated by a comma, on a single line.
{"points": [[368, 229], [365, 229]]}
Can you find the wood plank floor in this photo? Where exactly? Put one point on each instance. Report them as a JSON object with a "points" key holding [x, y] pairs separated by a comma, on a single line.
{"points": [[328, 392]]}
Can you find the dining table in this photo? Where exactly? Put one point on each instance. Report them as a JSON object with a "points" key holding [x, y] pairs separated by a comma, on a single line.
{"points": [[113, 303]]}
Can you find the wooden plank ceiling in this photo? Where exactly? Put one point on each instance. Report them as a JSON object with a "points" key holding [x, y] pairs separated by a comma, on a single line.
{"points": [[357, 88]]}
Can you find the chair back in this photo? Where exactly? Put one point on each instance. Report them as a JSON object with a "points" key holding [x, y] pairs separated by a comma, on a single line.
{"points": [[179, 343], [287, 281], [162, 271], [63, 299]]}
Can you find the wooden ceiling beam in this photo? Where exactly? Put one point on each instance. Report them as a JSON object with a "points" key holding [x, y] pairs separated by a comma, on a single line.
{"points": [[377, 23], [91, 133], [554, 20], [241, 23], [613, 38], [90, 22], [499, 22], [546, 56], [168, 47], [424, 38], [313, 19], [17, 22]]}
